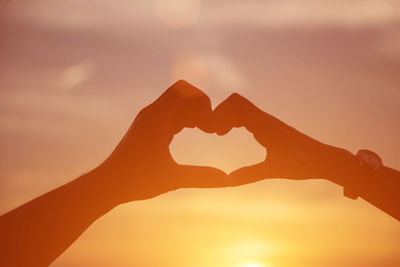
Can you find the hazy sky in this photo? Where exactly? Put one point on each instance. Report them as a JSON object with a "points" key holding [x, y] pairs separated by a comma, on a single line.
{"points": [[73, 75]]}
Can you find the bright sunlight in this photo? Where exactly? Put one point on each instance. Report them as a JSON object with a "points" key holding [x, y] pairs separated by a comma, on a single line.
{"points": [[252, 265]]}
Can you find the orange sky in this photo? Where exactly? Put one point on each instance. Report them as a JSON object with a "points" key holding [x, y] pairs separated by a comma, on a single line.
{"points": [[73, 74]]}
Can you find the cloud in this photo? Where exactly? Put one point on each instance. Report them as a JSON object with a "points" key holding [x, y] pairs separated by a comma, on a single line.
{"points": [[75, 75], [79, 15], [120, 16], [178, 13], [124, 54], [307, 13]]}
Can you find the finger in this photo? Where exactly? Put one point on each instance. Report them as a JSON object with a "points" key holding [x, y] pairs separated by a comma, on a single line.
{"points": [[186, 106], [235, 111], [249, 174], [190, 176]]}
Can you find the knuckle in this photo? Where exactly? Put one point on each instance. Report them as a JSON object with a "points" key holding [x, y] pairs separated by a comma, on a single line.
{"points": [[234, 101], [180, 83], [181, 89], [236, 97]]}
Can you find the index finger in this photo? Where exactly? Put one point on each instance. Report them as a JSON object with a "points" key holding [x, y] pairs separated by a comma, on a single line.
{"points": [[236, 111], [184, 105]]}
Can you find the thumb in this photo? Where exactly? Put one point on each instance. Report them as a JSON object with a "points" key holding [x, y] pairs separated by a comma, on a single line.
{"points": [[249, 174], [201, 177]]}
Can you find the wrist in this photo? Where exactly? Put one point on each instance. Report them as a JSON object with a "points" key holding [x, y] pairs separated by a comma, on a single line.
{"points": [[104, 187], [338, 165]]}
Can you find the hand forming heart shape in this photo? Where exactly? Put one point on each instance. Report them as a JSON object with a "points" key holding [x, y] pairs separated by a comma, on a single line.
{"points": [[143, 165]]}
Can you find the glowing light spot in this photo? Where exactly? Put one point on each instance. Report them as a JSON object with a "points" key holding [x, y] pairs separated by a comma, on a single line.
{"points": [[189, 66], [252, 265], [75, 75]]}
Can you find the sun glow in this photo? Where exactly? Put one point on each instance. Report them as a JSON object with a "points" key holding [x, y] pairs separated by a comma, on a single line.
{"points": [[252, 265]]}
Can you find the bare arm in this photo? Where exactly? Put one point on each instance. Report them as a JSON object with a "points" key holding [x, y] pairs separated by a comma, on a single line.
{"points": [[37, 232], [380, 188], [294, 155], [140, 167]]}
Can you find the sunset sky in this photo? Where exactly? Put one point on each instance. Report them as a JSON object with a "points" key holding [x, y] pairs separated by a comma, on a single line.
{"points": [[73, 75]]}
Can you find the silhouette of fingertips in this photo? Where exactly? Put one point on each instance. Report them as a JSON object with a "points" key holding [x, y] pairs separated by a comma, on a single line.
{"points": [[248, 174], [192, 106], [202, 177], [223, 130]]}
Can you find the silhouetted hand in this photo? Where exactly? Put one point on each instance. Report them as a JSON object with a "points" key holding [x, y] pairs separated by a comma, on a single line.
{"points": [[290, 153], [142, 167], [294, 155]]}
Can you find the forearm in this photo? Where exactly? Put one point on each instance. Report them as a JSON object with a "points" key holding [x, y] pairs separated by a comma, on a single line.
{"points": [[36, 233], [380, 188], [312, 159]]}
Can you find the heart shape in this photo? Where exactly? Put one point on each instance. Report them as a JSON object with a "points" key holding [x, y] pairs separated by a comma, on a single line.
{"points": [[232, 151]]}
